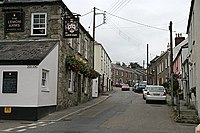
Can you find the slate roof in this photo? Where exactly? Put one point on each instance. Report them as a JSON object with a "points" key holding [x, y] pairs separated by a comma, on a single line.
{"points": [[25, 52]]}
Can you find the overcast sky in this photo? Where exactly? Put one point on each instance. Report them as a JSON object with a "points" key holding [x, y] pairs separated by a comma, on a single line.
{"points": [[132, 24]]}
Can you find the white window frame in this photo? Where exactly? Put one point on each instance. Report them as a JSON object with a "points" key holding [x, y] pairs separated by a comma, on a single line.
{"points": [[86, 48], [71, 82], [45, 80], [86, 85], [79, 43], [70, 42], [42, 28]]}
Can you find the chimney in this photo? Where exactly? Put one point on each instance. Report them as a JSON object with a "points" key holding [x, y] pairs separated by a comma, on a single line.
{"points": [[178, 39]]}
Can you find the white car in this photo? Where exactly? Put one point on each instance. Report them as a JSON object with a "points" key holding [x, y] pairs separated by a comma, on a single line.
{"points": [[144, 93], [156, 93]]}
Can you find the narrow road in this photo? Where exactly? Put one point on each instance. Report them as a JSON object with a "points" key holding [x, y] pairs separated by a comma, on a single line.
{"points": [[123, 112]]}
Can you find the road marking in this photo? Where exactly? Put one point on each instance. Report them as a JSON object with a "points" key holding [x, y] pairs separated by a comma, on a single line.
{"points": [[32, 127], [29, 126], [8, 130], [20, 127], [21, 130]]}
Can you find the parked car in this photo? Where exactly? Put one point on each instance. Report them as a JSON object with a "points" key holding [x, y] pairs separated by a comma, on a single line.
{"points": [[156, 93], [125, 87], [144, 93], [140, 88], [118, 84]]}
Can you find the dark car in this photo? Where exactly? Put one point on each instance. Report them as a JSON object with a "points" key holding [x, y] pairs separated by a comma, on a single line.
{"points": [[140, 88]]}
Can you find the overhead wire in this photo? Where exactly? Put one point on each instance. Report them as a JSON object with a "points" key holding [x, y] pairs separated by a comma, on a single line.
{"points": [[113, 5], [86, 13], [120, 8], [117, 7], [138, 23]]}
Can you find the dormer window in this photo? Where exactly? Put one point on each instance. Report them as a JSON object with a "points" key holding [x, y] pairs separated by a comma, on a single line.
{"points": [[39, 24]]}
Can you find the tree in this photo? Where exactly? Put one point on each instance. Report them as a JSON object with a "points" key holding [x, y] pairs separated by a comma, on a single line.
{"points": [[135, 65]]}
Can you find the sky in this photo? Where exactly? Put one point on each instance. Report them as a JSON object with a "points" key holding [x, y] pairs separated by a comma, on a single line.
{"points": [[132, 24]]}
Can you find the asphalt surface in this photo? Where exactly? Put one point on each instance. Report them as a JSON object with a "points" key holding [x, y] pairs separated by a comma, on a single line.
{"points": [[118, 112]]}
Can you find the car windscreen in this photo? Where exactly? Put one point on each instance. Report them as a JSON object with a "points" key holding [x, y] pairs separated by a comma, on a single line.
{"points": [[142, 85], [156, 89]]}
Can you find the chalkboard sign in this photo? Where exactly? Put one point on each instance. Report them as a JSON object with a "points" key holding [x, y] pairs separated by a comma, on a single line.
{"points": [[9, 82]]}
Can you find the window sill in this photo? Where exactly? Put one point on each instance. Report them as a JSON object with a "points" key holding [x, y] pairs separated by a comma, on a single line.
{"points": [[38, 35], [45, 90]]}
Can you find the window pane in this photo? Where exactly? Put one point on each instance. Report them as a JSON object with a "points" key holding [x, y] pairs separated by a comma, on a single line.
{"points": [[42, 16], [36, 21], [42, 21], [42, 25], [38, 31], [35, 26], [36, 16]]}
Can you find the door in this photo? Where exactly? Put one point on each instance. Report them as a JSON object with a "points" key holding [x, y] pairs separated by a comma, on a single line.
{"points": [[79, 88]]}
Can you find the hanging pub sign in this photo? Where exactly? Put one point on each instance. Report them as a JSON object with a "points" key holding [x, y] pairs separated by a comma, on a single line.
{"points": [[71, 28], [14, 21]]}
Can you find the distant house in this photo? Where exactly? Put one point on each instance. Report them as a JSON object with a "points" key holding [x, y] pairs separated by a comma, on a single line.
{"points": [[159, 69], [102, 64], [45, 65], [179, 54], [124, 74]]}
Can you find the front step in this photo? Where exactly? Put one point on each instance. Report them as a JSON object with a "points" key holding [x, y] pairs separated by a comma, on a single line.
{"points": [[193, 119]]}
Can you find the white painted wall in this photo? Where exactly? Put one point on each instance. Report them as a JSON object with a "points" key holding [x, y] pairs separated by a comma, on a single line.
{"points": [[48, 96], [102, 63], [194, 48], [29, 90], [27, 87]]}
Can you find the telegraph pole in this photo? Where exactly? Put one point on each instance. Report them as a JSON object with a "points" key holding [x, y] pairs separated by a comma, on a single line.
{"points": [[171, 65], [147, 63], [94, 25]]}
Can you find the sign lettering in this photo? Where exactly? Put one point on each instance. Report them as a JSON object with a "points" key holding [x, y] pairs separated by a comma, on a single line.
{"points": [[14, 21]]}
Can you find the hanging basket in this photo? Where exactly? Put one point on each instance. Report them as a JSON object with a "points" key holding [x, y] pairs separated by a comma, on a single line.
{"points": [[73, 64]]}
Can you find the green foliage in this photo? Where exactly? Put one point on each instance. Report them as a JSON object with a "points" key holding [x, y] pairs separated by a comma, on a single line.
{"points": [[166, 84], [175, 84], [80, 66]]}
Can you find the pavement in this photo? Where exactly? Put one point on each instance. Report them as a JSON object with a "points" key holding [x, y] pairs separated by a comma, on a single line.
{"points": [[62, 114], [183, 112]]}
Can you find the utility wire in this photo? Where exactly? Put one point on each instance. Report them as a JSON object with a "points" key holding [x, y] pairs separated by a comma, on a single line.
{"points": [[113, 5], [118, 6], [137, 22], [86, 14], [121, 6]]}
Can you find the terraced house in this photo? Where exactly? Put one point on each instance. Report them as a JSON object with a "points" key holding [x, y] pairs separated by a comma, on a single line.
{"points": [[46, 59]]}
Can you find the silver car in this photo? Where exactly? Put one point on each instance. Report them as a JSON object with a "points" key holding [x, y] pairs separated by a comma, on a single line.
{"points": [[156, 93]]}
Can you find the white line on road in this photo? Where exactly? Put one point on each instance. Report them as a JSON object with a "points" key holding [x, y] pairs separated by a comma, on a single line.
{"points": [[21, 130]]}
